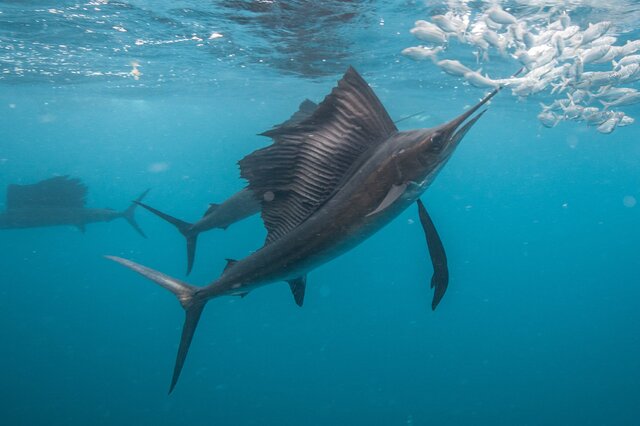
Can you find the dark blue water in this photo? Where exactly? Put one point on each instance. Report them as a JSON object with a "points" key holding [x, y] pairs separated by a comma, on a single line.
{"points": [[540, 323]]}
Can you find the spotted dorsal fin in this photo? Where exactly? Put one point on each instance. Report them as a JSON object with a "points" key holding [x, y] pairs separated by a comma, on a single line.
{"points": [[59, 191], [307, 161]]}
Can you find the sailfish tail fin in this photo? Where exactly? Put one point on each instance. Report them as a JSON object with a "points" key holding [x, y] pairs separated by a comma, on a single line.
{"points": [[185, 228], [187, 295], [129, 214]]}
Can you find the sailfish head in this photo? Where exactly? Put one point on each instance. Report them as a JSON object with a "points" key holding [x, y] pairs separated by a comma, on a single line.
{"points": [[423, 152]]}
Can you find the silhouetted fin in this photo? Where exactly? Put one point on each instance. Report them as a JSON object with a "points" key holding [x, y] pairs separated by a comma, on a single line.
{"points": [[185, 228], [187, 296], [60, 191], [307, 162], [394, 193], [212, 208], [298, 286], [305, 110], [129, 213], [440, 278], [230, 263]]}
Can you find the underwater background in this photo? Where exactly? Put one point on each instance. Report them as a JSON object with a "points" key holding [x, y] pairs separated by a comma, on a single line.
{"points": [[540, 322]]}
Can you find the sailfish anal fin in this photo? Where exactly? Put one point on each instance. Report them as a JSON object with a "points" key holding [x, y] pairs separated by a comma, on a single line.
{"points": [[308, 160], [298, 287], [440, 278]]}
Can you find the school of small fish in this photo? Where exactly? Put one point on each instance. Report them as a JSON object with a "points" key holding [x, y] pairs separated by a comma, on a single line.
{"points": [[559, 59]]}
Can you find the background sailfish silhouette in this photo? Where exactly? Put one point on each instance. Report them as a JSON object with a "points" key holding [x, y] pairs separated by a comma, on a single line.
{"points": [[57, 201]]}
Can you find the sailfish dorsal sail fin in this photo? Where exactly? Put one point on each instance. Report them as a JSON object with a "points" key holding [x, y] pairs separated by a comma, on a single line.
{"points": [[305, 110], [308, 160], [59, 191]]}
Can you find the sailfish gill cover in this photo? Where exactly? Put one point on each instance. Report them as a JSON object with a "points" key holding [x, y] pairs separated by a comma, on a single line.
{"points": [[537, 211]]}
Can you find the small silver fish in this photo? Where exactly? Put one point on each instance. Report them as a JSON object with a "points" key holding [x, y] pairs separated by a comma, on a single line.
{"points": [[594, 53], [594, 31], [548, 119], [589, 114], [581, 96], [495, 40], [568, 32], [628, 99], [604, 41], [428, 32], [596, 79], [609, 93], [452, 67], [518, 30], [625, 120], [528, 87], [573, 111], [613, 53], [628, 73], [420, 53], [450, 23], [627, 60], [545, 56], [500, 16], [478, 80], [597, 117], [631, 47], [609, 125]]}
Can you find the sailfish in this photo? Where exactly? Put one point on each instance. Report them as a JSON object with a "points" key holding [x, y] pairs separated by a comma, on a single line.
{"points": [[325, 185], [237, 207], [57, 201]]}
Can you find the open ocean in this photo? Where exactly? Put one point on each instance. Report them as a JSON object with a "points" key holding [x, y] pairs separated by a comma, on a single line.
{"points": [[541, 321]]}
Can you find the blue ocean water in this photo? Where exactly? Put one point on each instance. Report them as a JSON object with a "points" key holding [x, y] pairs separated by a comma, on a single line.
{"points": [[540, 322]]}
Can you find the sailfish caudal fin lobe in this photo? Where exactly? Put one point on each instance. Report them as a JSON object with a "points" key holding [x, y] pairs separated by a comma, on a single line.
{"points": [[187, 295], [185, 228], [129, 214]]}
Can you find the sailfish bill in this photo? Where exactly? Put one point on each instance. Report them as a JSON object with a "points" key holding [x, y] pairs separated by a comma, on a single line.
{"points": [[327, 183]]}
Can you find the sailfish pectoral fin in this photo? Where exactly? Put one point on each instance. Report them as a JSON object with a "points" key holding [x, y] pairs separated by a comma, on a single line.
{"points": [[394, 193], [440, 278], [298, 287]]}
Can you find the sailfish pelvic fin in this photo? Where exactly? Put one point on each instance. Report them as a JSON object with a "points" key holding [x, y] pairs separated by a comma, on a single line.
{"points": [[440, 278]]}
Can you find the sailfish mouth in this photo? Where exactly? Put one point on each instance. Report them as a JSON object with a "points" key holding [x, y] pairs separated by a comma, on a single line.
{"points": [[456, 129], [454, 133]]}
